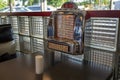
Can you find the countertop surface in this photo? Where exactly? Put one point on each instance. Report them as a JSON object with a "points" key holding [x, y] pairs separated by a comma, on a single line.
{"points": [[23, 68]]}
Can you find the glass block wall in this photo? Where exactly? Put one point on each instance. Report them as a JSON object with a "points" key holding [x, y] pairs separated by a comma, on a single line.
{"points": [[27, 32], [101, 39]]}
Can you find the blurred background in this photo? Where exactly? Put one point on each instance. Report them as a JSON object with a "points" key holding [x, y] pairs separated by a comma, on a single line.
{"points": [[51, 5]]}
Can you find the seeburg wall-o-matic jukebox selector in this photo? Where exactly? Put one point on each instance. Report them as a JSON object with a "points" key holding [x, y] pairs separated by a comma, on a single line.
{"points": [[65, 29]]}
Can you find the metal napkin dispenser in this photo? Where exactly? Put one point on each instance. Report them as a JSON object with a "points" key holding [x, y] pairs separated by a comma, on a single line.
{"points": [[65, 29]]}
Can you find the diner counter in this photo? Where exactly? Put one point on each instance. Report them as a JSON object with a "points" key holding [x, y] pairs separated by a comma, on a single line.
{"points": [[23, 68]]}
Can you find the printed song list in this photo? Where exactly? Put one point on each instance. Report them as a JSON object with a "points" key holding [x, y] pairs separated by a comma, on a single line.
{"points": [[65, 26]]}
